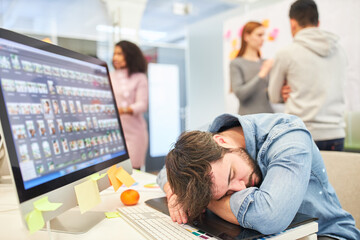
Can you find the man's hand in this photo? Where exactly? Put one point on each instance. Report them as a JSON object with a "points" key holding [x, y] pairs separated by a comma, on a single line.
{"points": [[176, 211], [285, 91]]}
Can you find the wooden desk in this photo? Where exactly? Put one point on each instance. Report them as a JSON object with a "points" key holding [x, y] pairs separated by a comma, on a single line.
{"points": [[12, 228]]}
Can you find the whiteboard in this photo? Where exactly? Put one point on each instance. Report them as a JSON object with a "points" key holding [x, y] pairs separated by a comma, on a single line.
{"points": [[339, 17]]}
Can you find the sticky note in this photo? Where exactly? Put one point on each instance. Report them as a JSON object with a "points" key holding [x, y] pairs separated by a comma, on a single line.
{"points": [[35, 221], [87, 194], [240, 31], [124, 177], [273, 34], [112, 214], [96, 176], [115, 182], [43, 204], [227, 34], [151, 185], [266, 23]]}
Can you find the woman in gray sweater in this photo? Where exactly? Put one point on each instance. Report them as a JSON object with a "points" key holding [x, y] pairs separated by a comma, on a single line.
{"points": [[249, 73]]}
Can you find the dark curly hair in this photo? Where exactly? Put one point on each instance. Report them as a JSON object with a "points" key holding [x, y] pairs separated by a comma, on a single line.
{"points": [[189, 170], [135, 60]]}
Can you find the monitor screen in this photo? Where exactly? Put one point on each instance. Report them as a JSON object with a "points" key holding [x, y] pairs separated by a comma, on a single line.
{"points": [[59, 116]]}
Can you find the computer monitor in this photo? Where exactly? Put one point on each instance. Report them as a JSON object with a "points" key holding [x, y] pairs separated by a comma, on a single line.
{"points": [[60, 123], [5, 177]]}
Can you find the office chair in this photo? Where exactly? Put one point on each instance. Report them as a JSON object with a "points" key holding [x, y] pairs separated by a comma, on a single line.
{"points": [[343, 172]]}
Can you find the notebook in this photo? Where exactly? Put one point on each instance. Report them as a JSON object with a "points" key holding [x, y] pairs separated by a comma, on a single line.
{"points": [[222, 229]]}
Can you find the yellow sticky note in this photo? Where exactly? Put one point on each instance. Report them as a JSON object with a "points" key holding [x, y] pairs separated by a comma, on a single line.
{"points": [[96, 176], [266, 23], [35, 221], [43, 204], [87, 194], [112, 214], [151, 185], [124, 177], [116, 183]]}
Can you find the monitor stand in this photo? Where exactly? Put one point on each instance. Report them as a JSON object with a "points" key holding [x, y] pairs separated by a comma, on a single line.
{"points": [[74, 222], [6, 179]]}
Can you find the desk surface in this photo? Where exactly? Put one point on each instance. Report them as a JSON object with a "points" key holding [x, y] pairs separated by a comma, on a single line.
{"points": [[12, 228]]}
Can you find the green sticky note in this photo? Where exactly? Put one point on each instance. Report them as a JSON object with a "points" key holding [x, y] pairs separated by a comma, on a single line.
{"points": [[112, 214], [43, 204], [87, 194], [96, 176], [35, 221]]}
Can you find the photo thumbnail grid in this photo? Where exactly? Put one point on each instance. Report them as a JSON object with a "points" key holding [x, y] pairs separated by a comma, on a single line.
{"points": [[59, 117], [13, 62]]}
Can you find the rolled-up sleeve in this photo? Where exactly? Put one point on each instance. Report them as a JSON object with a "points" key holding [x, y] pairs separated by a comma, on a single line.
{"points": [[271, 207], [161, 178]]}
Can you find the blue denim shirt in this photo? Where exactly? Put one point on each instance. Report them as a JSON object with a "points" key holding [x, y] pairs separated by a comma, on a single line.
{"points": [[294, 177]]}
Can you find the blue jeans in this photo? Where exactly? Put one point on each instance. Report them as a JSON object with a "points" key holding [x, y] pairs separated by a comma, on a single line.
{"points": [[331, 145]]}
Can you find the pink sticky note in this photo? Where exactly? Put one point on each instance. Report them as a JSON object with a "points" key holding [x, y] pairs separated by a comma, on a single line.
{"points": [[228, 34], [240, 31]]}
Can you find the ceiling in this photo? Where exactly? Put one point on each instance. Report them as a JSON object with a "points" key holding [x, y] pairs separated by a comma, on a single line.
{"points": [[158, 15], [69, 18]]}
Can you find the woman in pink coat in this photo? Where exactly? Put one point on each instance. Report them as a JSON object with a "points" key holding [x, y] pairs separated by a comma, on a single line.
{"points": [[131, 92]]}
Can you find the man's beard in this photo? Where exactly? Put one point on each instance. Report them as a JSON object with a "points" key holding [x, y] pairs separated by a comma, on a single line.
{"points": [[254, 166]]}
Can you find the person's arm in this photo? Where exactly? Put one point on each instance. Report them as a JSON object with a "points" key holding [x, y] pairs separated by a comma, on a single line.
{"points": [[271, 208], [141, 98], [285, 91], [243, 90], [222, 209], [176, 212], [277, 78], [161, 178]]}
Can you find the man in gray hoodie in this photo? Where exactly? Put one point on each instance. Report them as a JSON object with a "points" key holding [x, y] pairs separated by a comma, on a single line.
{"points": [[309, 77]]}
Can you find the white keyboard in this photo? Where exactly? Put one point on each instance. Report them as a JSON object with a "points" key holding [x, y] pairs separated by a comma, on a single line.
{"points": [[156, 225]]}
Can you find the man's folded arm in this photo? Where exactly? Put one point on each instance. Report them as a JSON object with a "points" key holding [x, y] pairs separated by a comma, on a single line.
{"points": [[222, 209], [270, 208]]}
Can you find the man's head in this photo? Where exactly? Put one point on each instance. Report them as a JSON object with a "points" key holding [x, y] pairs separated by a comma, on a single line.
{"points": [[204, 167], [303, 13]]}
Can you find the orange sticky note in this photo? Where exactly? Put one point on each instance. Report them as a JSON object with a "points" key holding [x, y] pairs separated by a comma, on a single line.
{"points": [[124, 177], [115, 182], [87, 194]]}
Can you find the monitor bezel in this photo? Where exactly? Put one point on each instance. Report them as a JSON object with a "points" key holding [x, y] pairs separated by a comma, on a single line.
{"points": [[28, 194]]}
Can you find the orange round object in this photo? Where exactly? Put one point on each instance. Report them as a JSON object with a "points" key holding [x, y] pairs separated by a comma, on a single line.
{"points": [[130, 197]]}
